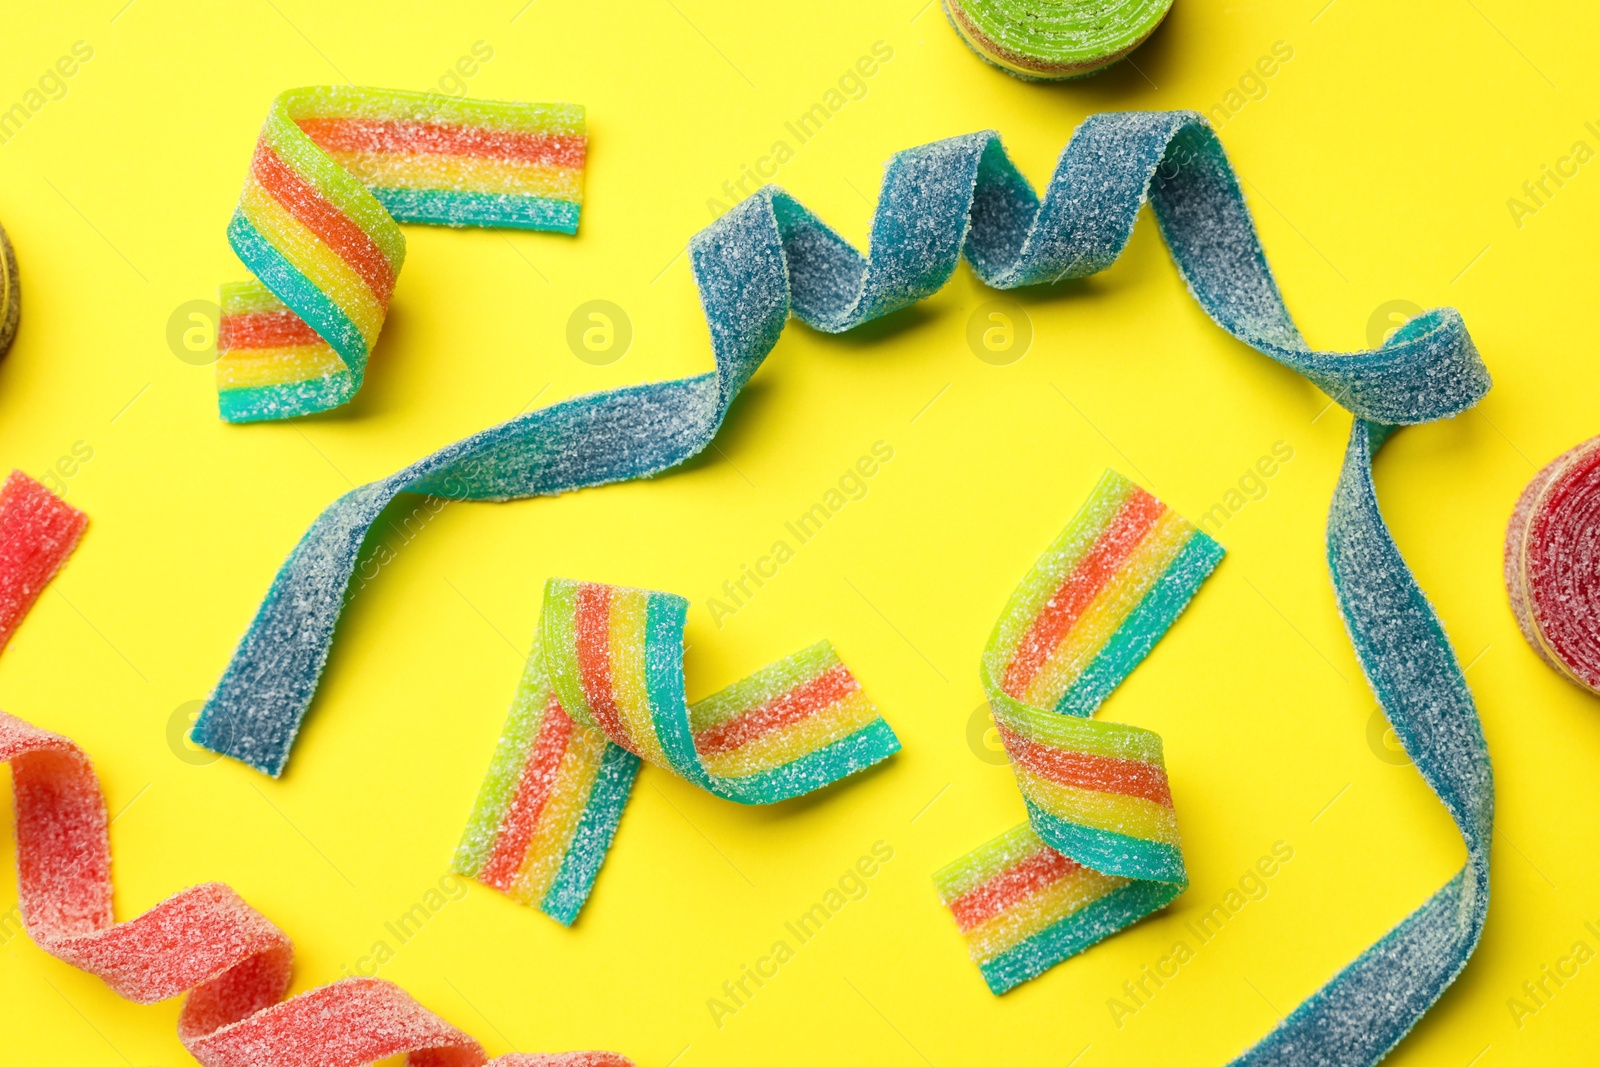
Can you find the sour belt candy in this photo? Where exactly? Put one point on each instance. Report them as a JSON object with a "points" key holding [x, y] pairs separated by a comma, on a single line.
{"points": [[333, 172], [1552, 563], [769, 257], [603, 689], [37, 534], [1100, 848], [206, 941], [1054, 39]]}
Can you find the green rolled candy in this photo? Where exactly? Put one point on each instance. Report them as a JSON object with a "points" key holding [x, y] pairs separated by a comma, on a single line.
{"points": [[1052, 40]]}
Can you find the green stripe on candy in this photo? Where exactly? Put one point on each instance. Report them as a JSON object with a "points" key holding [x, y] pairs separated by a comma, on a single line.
{"points": [[505, 769], [955, 880]]}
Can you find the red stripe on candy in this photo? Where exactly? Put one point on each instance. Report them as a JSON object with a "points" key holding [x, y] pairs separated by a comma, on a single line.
{"points": [[264, 329], [332, 226], [591, 626], [1105, 774], [801, 702], [440, 139], [1010, 887], [1137, 516], [37, 534], [533, 792]]}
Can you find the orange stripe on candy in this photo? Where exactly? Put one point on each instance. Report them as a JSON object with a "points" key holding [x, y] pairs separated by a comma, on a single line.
{"points": [[1137, 516], [332, 226], [591, 630], [533, 791], [803, 701], [1012, 885], [1104, 774], [439, 139]]}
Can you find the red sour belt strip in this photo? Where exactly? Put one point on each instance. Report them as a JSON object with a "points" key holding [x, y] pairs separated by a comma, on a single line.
{"points": [[1552, 565], [37, 534], [206, 941]]}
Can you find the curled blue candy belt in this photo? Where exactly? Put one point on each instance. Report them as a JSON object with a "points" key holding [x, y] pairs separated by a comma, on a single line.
{"points": [[770, 258]]}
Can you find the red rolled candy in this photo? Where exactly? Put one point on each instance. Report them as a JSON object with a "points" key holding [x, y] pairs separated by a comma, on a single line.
{"points": [[206, 941], [1552, 564], [37, 534]]}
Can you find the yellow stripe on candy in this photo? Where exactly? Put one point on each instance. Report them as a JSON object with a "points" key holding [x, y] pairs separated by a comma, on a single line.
{"points": [[248, 368], [1116, 812], [1095, 737], [321, 265], [629, 610], [1074, 890], [789, 743], [1109, 609], [462, 174], [559, 820]]}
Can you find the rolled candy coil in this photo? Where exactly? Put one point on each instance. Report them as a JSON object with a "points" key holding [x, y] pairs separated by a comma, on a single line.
{"points": [[1552, 563]]}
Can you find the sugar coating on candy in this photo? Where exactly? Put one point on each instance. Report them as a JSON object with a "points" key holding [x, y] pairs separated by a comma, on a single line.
{"points": [[333, 172], [1552, 563], [232, 962], [963, 197], [1049, 40], [37, 534], [768, 256], [603, 689], [1101, 846]]}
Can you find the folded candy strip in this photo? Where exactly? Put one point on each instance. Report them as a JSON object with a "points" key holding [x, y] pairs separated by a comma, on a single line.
{"points": [[603, 689], [1552, 564], [334, 171], [206, 942], [941, 202], [1100, 848], [37, 534], [1048, 40]]}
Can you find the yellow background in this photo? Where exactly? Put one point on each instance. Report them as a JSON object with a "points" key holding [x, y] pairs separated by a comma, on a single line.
{"points": [[1378, 163]]}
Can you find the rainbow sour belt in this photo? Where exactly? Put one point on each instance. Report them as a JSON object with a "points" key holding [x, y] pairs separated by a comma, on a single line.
{"points": [[333, 172], [770, 257], [1100, 848], [603, 689]]}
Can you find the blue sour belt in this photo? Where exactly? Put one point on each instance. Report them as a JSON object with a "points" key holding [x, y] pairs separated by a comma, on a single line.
{"points": [[770, 257]]}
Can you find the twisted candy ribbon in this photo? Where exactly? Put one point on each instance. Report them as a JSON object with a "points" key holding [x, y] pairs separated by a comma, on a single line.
{"points": [[1552, 566], [963, 197], [205, 941], [603, 689], [1100, 847], [334, 170], [1048, 40]]}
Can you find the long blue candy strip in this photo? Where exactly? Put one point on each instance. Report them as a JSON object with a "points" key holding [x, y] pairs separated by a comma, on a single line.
{"points": [[770, 256]]}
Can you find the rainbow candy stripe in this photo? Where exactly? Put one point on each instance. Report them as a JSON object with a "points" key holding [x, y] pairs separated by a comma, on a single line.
{"points": [[604, 689], [333, 172], [1100, 848]]}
